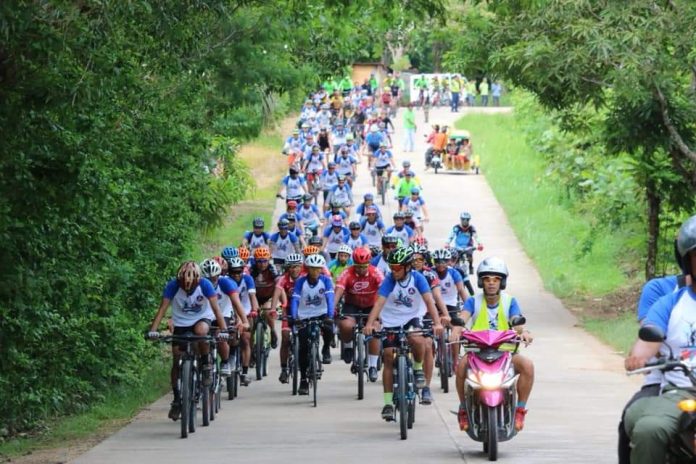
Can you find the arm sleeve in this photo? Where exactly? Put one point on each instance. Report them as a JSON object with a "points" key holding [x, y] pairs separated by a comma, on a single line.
{"points": [[228, 286], [329, 294], [421, 283], [296, 295], [251, 285], [660, 312], [207, 288], [170, 289], [653, 291], [469, 305], [387, 286], [456, 276], [514, 308]]}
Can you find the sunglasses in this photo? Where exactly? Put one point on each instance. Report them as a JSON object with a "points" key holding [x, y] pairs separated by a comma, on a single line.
{"points": [[261, 261], [236, 272], [396, 267], [442, 261], [361, 266]]}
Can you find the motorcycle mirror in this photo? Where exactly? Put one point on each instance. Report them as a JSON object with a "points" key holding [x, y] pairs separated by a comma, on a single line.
{"points": [[650, 333], [517, 321]]}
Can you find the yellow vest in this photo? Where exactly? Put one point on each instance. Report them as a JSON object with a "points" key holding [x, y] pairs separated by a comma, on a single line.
{"points": [[482, 322], [455, 86]]}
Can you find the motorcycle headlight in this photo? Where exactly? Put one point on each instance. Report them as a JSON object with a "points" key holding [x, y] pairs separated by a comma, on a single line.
{"points": [[491, 381]]}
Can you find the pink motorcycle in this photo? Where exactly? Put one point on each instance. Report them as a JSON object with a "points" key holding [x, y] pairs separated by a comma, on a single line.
{"points": [[491, 385]]}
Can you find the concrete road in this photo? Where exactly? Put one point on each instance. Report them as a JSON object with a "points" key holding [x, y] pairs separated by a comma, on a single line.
{"points": [[574, 409]]}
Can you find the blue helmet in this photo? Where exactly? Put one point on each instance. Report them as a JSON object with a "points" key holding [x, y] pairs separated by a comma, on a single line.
{"points": [[369, 196], [415, 191], [229, 253]]}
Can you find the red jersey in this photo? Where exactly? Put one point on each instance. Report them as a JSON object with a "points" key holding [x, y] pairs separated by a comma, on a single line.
{"points": [[360, 291], [265, 283]]}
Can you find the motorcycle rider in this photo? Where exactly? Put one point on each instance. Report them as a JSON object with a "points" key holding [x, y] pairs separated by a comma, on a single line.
{"points": [[652, 423], [500, 307], [463, 237]]}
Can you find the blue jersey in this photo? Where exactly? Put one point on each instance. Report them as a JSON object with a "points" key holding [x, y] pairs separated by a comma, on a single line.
{"points": [[653, 290], [448, 285], [405, 233], [355, 242], [256, 241], [189, 308], [225, 288], [404, 299], [312, 300]]}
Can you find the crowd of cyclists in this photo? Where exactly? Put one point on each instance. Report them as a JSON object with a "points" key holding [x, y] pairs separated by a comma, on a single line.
{"points": [[334, 256]]}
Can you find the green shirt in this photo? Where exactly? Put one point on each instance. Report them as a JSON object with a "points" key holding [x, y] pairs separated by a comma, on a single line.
{"points": [[409, 119], [483, 88], [403, 190], [346, 84], [455, 85], [373, 83]]}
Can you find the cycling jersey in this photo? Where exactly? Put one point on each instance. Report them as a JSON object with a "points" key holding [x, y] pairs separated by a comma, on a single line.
{"points": [[309, 216], [224, 288], [404, 299], [360, 291], [312, 300], [283, 246], [380, 263], [245, 286], [355, 242], [295, 188], [461, 238], [382, 158], [335, 238], [328, 180], [360, 210], [339, 137], [344, 164], [265, 283], [336, 268], [187, 309], [342, 196], [373, 139], [405, 233], [294, 142], [448, 285], [372, 231], [314, 162], [415, 206], [256, 241]]}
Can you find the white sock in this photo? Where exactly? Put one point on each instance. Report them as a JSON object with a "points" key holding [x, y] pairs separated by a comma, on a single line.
{"points": [[372, 360]]}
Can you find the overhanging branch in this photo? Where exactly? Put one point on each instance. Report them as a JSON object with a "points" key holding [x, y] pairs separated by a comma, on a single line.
{"points": [[673, 133]]}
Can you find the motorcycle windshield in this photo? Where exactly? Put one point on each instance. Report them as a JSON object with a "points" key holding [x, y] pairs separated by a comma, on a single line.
{"points": [[489, 338]]}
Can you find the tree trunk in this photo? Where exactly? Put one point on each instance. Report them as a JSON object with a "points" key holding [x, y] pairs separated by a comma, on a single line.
{"points": [[653, 229]]}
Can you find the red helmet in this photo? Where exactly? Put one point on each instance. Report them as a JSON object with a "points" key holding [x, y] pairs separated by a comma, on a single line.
{"points": [[362, 255], [222, 262]]}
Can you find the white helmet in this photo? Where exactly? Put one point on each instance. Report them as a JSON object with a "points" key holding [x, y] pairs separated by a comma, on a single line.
{"points": [[345, 249], [315, 261], [492, 266], [210, 268]]}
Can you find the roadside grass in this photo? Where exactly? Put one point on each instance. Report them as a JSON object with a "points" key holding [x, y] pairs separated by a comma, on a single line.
{"points": [[68, 437], [554, 236]]}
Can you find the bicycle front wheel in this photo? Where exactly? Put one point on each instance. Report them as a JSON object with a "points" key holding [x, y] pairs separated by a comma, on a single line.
{"points": [[444, 364], [258, 350], [186, 381], [295, 367], [360, 363], [401, 390], [313, 360]]}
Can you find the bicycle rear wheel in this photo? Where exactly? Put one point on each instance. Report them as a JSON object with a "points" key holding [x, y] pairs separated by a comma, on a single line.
{"points": [[360, 363], [401, 390], [444, 370], [186, 381], [294, 366], [314, 360], [258, 349], [411, 399], [383, 190], [205, 405], [192, 405]]}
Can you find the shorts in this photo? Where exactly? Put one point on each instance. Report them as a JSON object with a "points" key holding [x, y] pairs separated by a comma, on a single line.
{"points": [[184, 330], [352, 310], [453, 310], [228, 320], [380, 171], [391, 341]]}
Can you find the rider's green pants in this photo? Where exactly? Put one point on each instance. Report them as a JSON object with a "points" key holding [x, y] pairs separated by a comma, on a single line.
{"points": [[651, 423]]}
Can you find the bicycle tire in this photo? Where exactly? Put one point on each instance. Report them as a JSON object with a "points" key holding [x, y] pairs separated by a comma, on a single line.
{"points": [[295, 366], [266, 351], [185, 381], [411, 398], [205, 405], [258, 349], [193, 410], [383, 191], [313, 358], [401, 396], [444, 373], [230, 386], [360, 362]]}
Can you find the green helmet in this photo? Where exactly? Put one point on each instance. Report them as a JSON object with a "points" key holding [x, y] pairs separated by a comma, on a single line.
{"points": [[402, 255]]}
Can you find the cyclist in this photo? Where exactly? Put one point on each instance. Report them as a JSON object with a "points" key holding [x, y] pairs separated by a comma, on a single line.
{"points": [[247, 297], [416, 204], [400, 229], [328, 180], [282, 243], [500, 307], [256, 237], [294, 185], [335, 209], [265, 277], [383, 160], [227, 254], [312, 297], [293, 227], [410, 222], [406, 168], [346, 162], [368, 202], [334, 236], [451, 287], [372, 227], [341, 262], [342, 195], [194, 305], [401, 298], [309, 215], [228, 298], [281, 296], [338, 136], [463, 238], [358, 285], [463, 271], [389, 243], [294, 142], [373, 139], [356, 238], [405, 186]]}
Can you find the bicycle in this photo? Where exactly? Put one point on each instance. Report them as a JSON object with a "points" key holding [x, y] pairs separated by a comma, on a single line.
{"points": [[405, 391], [236, 368], [261, 341], [315, 366], [382, 182], [359, 364], [444, 359], [190, 375]]}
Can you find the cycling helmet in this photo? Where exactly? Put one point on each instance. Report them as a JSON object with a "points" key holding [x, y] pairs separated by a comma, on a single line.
{"points": [[382, 144], [686, 243], [244, 253], [189, 275], [315, 260], [354, 225], [368, 196], [374, 128], [362, 255], [293, 259], [419, 249], [408, 213], [406, 164], [283, 224], [492, 266], [402, 256], [236, 263], [465, 216], [336, 221], [307, 197], [375, 250], [310, 250], [222, 262], [258, 222], [350, 137], [331, 164], [371, 210], [262, 252], [290, 217], [292, 204], [229, 252], [415, 191], [345, 249], [305, 125], [315, 240], [442, 254], [410, 173], [293, 170], [210, 268], [399, 215], [341, 178], [335, 204], [390, 240]]}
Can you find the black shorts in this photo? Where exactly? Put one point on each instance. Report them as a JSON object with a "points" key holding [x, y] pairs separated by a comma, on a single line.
{"points": [[391, 341], [188, 330], [380, 171], [453, 310], [352, 310], [228, 320]]}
